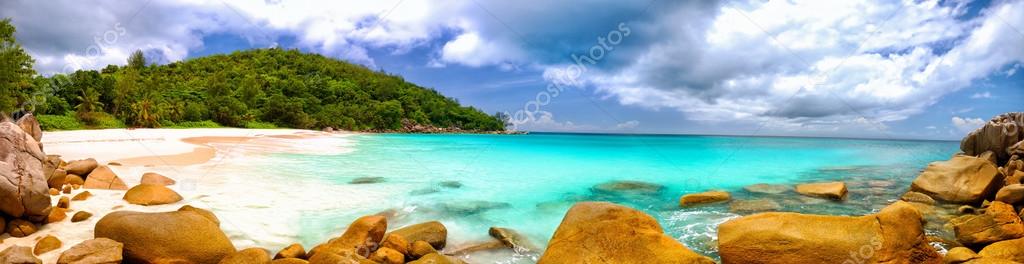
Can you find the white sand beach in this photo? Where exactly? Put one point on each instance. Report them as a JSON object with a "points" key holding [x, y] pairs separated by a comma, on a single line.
{"points": [[186, 155]]}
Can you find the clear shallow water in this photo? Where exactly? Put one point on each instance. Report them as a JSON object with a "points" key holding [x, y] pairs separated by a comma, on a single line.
{"points": [[527, 182]]}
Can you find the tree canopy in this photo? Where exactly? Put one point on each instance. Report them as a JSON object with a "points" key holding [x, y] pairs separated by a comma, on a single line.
{"points": [[277, 87]]}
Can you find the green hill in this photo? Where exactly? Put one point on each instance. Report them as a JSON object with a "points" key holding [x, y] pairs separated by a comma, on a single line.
{"points": [[253, 88]]}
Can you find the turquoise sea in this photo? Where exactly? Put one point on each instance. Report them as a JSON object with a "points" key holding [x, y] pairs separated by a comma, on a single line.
{"points": [[527, 182]]}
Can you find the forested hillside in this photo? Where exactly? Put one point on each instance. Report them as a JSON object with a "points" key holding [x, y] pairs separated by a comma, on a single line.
{"points": [[253, 88]]}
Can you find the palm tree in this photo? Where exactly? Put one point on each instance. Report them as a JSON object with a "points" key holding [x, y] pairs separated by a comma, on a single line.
{"points": [[89, 102]]}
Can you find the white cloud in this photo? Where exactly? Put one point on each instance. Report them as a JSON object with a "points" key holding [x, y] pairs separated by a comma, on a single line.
{"points": [[628, 125], [981, 95], [966, 124], [733, 70]]}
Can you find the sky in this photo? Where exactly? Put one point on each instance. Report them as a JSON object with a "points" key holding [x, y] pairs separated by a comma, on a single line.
{"points": [[847, 68]]}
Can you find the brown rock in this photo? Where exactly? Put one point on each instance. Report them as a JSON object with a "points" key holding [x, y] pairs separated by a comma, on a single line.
{"points": [[1017, 178], [827, 190], [768, 188], [67, 189], [23, 189], [474, 247], [54, 192], [599, 232], [81, 167], [82, 196], [959, 255], [203, 212], [432, 232], [343, 256], [56, 178], [997, 135], [396, 242], [156, 179], [388, 256], [1012, 249], [149, 194], [512, 239], [64, 202], [962, 179], [18, 255], [434, 258], [753, 206], [291, 251], [999, 222], [168, 237], [362, 237], [104, 178], [703, 198], [30, 125], [289, 261], [93, 251], [80, 216], [894, 235], [47, 244], [421, 248], [20, 228], [1011, 194], [73, 180], [916, 197], [57, 214], [247, 256], [990, 157]]}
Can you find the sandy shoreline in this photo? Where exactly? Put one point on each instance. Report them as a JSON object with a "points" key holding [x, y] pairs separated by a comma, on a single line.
{"points": [[181, 154]]}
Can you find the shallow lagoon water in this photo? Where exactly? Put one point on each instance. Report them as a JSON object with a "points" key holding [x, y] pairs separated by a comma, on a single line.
{"points": [[527, 182]]}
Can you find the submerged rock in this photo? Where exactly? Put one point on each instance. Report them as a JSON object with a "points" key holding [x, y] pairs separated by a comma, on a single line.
{"points": [[167, 237], [768, 188], [434, 258], [629, 187], [894, 235], [703, 198], [512, 239], [999, 222], [916, 197], [753, 206], [599, 232], [827, 190], [366, 180], [451, 184], [962, 179], [433, 232], [471, 207]]}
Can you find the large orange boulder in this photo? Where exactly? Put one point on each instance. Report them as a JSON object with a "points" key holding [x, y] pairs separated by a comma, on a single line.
{"points": [[168, 237], [999, 134], [1012, 249], [81, 167], [156, 178], [894, 235], [999, 222], [962, 179], [104, 178], [600, 232], [362, 237], [23, 188], [151, 194], [432, 232]]}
